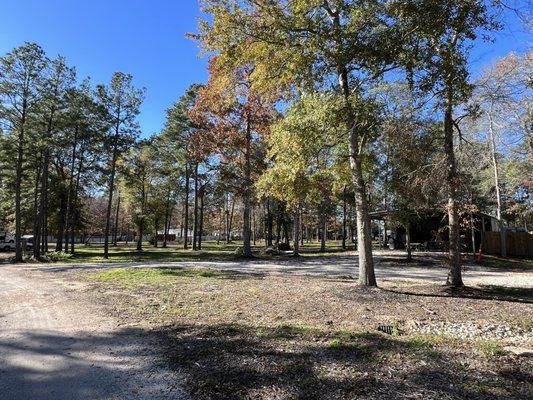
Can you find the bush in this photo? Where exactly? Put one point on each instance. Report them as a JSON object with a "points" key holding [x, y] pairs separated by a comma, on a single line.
{"points": [[57, 256]]}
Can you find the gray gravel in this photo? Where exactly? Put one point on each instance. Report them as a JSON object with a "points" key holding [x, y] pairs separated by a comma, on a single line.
{"points": [[53, 345]]}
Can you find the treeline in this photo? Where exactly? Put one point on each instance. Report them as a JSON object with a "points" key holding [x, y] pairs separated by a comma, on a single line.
{"points": [[60, 143]]}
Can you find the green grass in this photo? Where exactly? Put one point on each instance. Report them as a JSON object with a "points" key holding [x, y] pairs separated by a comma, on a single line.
{"points": [[123, 253], [131, 277], [490, 349], [211, 251]]}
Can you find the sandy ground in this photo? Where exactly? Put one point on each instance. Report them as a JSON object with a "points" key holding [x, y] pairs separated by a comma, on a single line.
{"points": [[53, 345]]}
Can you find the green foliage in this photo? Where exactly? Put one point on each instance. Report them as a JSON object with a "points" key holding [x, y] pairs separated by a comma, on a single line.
{"points": [[57, 256], [491, 349]]}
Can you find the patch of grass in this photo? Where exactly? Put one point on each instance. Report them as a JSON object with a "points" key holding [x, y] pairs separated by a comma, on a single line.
{"points": [[419, 344], [57, 256], [149, 276], [490, 349], [211, 251], [335, 344]]}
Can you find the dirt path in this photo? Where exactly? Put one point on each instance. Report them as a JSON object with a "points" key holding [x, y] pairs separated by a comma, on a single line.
{"points": [[54, 345], [390, 266]]}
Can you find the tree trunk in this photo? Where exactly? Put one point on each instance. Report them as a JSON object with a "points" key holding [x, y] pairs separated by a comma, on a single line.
{"points": [[296, 251], [71, 188], [111, 187], [43, 203], [454, 275], [246, 245], [61, 227], [75, 200], [503, 236], [230, 221], [278, 227], [156, 223], [115, 230], [473, 234], [201, 224], [18, 184], [186, 210], [37, 221], [344, 218], [285, 230], [253, 225], [367, 275], [195, 229], [269, 225], [140, 237], [167, 219], [408, 241], [323, 233]]}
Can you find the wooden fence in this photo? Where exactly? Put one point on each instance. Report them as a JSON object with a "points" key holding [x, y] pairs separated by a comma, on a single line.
{"points": [[519, 244]]}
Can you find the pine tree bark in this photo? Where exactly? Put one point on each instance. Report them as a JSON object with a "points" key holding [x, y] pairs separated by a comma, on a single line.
{"points": [[18, 182], [201, 224], [195, 228], [115, 225], [61, 226], [75, 201], [71, 188], [37, 220], [167, 212], [111, 187], [186, 209]]}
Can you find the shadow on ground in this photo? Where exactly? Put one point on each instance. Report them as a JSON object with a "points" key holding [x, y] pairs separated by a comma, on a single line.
{"points": [[238, 362], [485, 292], [45, 365]]}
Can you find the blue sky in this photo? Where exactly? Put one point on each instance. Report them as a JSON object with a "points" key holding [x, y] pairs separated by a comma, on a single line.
{"points": [[147, 39], [141, 37]]}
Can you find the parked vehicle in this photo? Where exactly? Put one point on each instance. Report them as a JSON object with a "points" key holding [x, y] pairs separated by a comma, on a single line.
{"points": [[6, 237], [29, 241], [7, 246]]}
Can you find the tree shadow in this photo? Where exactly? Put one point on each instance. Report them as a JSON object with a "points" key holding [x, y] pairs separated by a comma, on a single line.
{"points": [[486, 292], [242, 362], [44, 365]]}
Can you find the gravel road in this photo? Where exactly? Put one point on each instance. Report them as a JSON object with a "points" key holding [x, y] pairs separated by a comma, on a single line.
{"points": [[54, 345], [390, 266]]}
